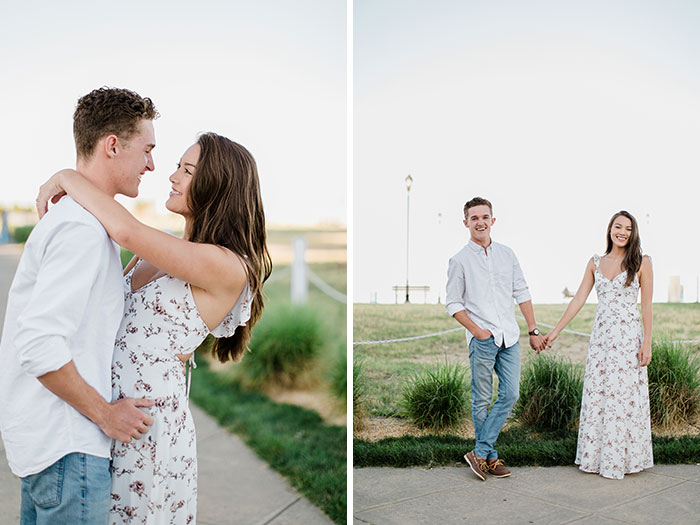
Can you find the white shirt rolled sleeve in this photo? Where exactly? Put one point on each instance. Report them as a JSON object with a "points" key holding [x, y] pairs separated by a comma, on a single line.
{"points": [[484, 283], [65, 304], [53, 314]]}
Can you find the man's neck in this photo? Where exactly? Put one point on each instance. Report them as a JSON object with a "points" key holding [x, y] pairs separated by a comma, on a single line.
{"points": [[483, 244], [95, 174]]}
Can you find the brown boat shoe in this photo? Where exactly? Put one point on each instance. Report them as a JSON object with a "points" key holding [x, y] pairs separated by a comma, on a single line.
{"points": [[497, 469], [477, 464]]}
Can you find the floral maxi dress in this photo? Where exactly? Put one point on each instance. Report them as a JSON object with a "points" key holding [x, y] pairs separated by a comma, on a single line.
{"points": [[154, 479], [614, 435]]}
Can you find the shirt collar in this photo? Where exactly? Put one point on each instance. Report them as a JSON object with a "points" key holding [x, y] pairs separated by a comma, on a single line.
{"points": [[477, 248]]}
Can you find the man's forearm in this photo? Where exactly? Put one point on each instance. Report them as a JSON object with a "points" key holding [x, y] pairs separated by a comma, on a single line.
{"points": [[462, 318], [528, 314], [68, 384]]}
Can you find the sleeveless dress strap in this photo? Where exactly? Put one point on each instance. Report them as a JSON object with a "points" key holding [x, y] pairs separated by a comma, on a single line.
{"points": [[596, 259]]}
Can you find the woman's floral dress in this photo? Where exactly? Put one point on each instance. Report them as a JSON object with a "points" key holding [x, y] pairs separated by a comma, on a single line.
{"points": [[614, 434], [154, 479]]}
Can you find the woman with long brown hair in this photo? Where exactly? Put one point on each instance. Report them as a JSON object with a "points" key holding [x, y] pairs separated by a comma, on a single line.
{"points": [[614, 435], [178, 291]]}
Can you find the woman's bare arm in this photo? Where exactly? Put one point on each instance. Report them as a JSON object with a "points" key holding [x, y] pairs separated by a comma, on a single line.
{"points": [[576, 303], [206, 266]]}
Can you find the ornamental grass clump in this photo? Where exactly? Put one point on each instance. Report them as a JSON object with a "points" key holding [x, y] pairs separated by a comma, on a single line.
{"points": [[338, 376], [436, 399], [283, 348], [359, 391], [674, 385], [550, 394]]}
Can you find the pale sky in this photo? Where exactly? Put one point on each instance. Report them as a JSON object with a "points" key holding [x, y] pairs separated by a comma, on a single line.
{"points": [[269, 74], [561, 113]]}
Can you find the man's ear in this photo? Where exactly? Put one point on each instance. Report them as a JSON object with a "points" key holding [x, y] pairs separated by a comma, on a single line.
{"points": [[465, 223], [111, 145], [493, 220]]}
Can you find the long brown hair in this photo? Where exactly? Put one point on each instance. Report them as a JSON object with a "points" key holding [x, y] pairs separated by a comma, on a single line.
{"points": [[224, 199], [632, 260]]}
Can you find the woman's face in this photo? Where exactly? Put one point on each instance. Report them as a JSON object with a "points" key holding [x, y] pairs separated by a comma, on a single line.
{"points": [[621, 231], [181, 180]]}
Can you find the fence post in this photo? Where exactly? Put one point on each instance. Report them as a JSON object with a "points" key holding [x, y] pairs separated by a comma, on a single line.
{"points": [[300, 282]]}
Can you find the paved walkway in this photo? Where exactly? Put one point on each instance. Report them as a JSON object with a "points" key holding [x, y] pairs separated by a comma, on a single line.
{"points": [[554, 495], [235, 486]]}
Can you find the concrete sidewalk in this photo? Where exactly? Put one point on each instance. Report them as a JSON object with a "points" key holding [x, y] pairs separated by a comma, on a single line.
{"points": [[234, 485], [445, 495]]}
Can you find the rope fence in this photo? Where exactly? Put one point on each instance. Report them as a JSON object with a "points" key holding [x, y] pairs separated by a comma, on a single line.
{"points": [[277, 275], [314, 279], [435, 334], [326, 288]]}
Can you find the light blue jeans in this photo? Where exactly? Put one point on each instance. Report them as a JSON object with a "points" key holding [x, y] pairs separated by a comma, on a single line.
{"points": [[74, 490], [485, 357]]}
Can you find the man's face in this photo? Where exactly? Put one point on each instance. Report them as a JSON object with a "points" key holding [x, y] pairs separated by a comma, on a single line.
{"points": [[479, 222], [135, 159]]}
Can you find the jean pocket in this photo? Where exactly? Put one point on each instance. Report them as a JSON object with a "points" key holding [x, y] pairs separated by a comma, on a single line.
{"points": [[490, 338], [45, 487]]}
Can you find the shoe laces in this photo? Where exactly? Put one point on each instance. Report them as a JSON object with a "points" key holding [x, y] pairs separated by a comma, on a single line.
{"points": [[492, 466]]}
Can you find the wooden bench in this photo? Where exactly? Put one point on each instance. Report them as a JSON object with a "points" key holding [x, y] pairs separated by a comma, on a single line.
{"points": [[402, 289]]}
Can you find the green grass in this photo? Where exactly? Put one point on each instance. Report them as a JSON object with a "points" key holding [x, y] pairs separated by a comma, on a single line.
{"points": [[359, 410], [294, 441], [20, 234], [436, 398], [674, 384], [386, 367], [550, 394], [389, 366], [284, 347], [125, 256], [338, 376], [518, 446]]}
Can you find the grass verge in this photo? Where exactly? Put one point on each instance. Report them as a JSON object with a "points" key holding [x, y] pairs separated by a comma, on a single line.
{"points": [[517, 446], [294, 441]]}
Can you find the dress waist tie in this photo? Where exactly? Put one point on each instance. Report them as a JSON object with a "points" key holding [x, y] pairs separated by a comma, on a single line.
{"points": [[192, 364]]}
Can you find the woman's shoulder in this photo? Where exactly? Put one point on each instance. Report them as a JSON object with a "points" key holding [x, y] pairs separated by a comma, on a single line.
{"points": [[233, 267]]}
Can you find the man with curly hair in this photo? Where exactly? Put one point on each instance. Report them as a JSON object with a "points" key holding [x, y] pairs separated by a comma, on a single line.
{"points": [[64, 308], [483, 279]]}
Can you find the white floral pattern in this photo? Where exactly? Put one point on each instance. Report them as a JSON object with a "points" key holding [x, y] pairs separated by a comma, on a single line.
{"points": [[154, 479], [614, 436]]}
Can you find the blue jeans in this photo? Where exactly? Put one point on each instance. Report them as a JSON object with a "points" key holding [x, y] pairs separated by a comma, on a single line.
{"points": [[74, 490], [485, 357]]}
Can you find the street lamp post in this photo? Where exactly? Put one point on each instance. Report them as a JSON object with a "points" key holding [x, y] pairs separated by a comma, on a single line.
{"points": [[409, 182]]}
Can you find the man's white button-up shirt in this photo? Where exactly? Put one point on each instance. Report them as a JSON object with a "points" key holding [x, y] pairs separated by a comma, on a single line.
{"points": [[65, 303], [484, 283]]}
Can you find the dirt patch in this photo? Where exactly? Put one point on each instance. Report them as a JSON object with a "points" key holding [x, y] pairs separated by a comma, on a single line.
{"points": [[376, 428], [314, 397], [317, 400]]}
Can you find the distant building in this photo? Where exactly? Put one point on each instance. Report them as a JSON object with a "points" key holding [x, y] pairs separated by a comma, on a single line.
{"points": [[675, 290]]}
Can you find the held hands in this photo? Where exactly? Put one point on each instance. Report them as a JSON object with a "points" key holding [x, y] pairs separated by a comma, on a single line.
{"points": [[644, 354], [538, 342], [52, 190], [125, 421], [550, 338]]}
